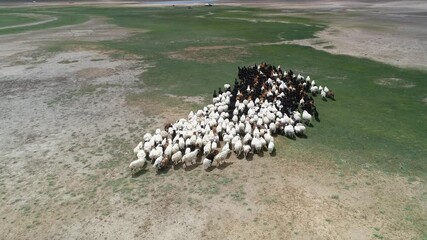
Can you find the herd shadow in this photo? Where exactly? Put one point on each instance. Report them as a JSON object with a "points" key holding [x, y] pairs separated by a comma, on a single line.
{"points": [[302, 135], [139, 173], [274, 153], [224, 165], [191, 167]]}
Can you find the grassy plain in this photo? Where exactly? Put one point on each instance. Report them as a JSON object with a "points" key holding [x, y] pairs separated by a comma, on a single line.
{"points": [[10, 20], [372, 124], [375, 127], [63, 19]]}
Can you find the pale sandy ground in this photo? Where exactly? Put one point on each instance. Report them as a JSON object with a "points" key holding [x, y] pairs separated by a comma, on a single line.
{"points": [[393, 32], [65, 120]]}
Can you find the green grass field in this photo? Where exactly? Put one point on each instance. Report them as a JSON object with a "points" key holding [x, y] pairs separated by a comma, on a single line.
{"points": [[62, 19], [369, 125], [11, 20]]}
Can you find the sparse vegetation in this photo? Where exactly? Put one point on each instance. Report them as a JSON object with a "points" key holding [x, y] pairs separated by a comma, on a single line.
{"points": [[335, 197], [65, 167], [68, 61]]}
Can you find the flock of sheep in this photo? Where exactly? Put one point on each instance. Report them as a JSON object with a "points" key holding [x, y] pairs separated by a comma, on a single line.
{"points": [[243, 119]]}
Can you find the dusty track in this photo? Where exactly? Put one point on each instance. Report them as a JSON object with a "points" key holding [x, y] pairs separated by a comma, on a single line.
{"points": [[44, 19]]}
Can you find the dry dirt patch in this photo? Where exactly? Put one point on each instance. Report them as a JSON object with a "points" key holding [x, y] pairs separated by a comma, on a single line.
{"points": [[168, 108], [210, 54], [94, 72], [401, 50], [60, 132], [189, 99], [96, 29], [394, 83]]}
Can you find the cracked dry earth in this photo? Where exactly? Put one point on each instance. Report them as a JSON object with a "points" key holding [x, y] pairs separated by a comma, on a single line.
{"points": [[67, 131]]}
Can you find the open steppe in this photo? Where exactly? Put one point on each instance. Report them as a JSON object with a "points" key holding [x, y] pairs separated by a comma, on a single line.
{"points": [[81, 83]]}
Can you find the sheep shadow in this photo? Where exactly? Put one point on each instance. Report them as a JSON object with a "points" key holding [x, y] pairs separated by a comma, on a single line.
{"points": [[273, 154], [260, 154], [178, 166], [224, 165], [163, 170], [210, 168], [190, 167], [324, 99], [302, 135], [249, 157], [291, 137], [139, 173]]}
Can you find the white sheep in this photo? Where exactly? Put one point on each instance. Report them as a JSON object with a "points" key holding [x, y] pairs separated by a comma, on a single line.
{"points": [[147, 137], [168, 151], [323, 94], [138, 147], [247, 138], [181, 143], [326, 89], [175, 148], [270, 147], [225, 147], [214, 146], [297, 116], [155, 153], [141, 154], [137, 165], [314, 89], [272, 127], [176, 157], [158, 161], [268, 138], [299, 128], [148, 146], [263, 142], [206, 163], [238, 147], [190, 157], [306, 117], [289, 131], [190, 115], [256, 144], [207, 148], [220, 157], [246, 150]]}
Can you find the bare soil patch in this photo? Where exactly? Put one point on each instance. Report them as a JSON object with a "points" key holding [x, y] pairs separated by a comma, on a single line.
{"points": [[210, 54], [394, 83], [189, 99], [95, 72], [96, 29], [392, 32], [399, 50]]}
